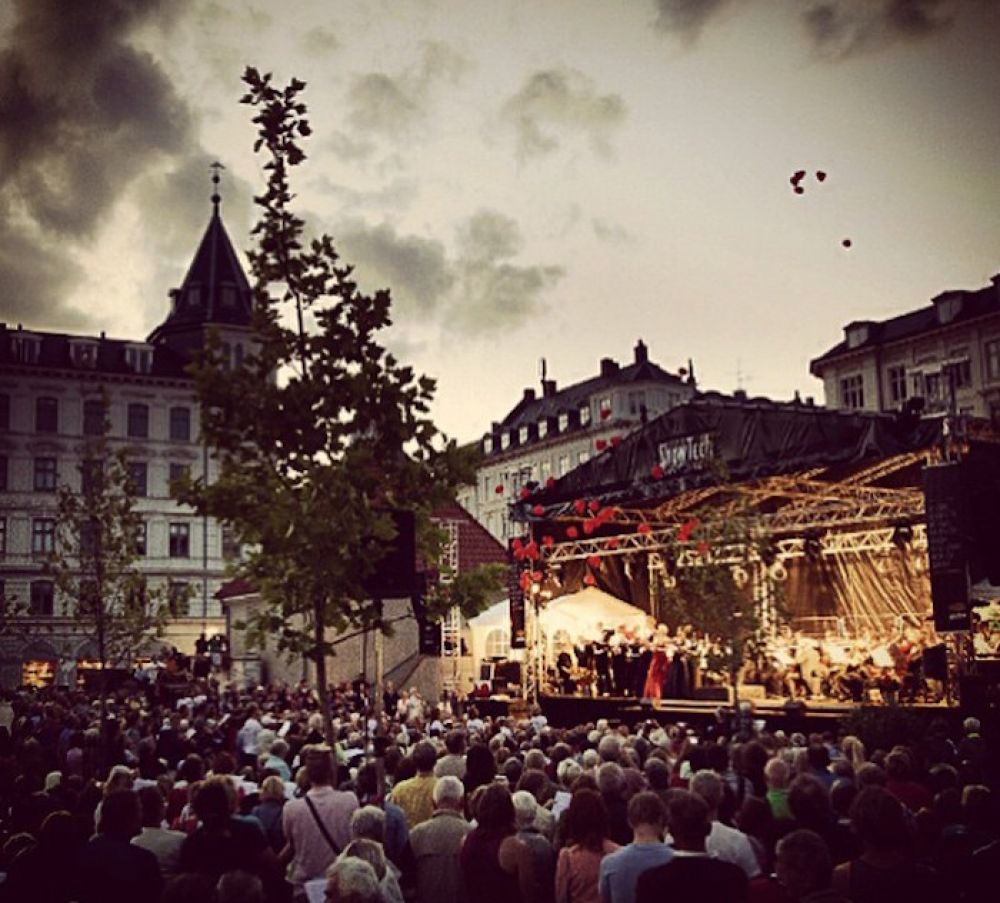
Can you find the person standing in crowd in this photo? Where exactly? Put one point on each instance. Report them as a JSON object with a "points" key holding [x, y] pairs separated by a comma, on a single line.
{"points": [[163, 843], [268, 811], [437, 844], [727, 843], [526, 810], [352, 880], [494, 861], [579, 863], [317, 827], [804, 868], [620, 870], [453, 762], [692, 873], [415, 796]]}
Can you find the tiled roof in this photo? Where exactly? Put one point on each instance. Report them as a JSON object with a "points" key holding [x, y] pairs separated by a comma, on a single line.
{"points": [[924, 320]]}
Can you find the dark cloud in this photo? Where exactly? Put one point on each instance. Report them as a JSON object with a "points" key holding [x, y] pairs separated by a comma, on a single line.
{"points": [[393, 105], [554, 103], [844, 28], [685, 17], [471, 292], [82, 113]]}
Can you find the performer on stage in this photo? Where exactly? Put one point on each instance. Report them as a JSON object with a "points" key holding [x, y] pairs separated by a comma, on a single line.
{"points": [[659, 666]]}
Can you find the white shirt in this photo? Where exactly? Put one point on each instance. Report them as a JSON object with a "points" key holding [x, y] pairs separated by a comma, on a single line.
{"points": [[732, 846], [248, 736]]}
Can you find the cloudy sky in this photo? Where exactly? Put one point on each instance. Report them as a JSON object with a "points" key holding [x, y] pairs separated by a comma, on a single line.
{"points": [[531, 178]]}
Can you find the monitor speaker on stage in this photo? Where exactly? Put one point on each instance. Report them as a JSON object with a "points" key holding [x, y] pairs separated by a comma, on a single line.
{"points": [[945, 501], [518, 638], [936, 662]]}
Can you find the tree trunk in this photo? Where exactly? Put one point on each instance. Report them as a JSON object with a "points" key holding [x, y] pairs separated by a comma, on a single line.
{"points": [[322, 687]]}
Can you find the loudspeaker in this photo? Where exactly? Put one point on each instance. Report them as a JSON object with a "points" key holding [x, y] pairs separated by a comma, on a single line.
{"points": [[936, 662], [713, 694], [395, 574], [509, 671]]}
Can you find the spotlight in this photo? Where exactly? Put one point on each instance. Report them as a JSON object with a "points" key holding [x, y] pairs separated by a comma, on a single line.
{"points": [[813, 546], [768, 553], [902, 535]]}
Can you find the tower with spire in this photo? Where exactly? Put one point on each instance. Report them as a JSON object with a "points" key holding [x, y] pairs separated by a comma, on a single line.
{"points": [[215, 294]]}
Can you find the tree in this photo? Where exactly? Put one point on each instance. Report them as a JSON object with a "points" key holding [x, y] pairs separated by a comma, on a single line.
{"points": [[321, 431], [93, 564]]}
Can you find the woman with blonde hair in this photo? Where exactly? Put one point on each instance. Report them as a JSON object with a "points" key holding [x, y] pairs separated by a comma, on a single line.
{"points": [[268, 811], [854, 751]]}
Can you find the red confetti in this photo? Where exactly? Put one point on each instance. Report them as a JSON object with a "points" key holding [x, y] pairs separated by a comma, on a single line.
{"points": [[538, 510], [550, 482], [616, 441], [601, 444], [572, 532], [499, 489], [820, 175], [644, 529], [846, 242], [657, 472], [594, 561], [548, 541], [686, 529], [612, 543], [579, 506], [589, 580]]}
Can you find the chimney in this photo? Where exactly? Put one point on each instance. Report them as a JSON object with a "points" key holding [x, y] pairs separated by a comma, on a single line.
{"points": [[548, 388], [641, 352], [529, 395], [609, 367], [740, 395], [809, 400]]}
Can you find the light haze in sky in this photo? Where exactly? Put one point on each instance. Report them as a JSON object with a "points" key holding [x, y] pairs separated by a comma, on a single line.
{"points": [[553, 178]]}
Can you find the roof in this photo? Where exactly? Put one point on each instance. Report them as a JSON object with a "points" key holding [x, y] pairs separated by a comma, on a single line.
{"points": [[215, 288], [974, 304], [690, 445]]}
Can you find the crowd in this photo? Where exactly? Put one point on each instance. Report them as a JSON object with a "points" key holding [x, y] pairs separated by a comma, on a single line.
{"points": [[237, 796]]}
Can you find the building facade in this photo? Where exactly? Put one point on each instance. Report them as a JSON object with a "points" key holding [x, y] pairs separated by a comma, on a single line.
{"points": [[548, 434], [54, 390], [945, 356]]}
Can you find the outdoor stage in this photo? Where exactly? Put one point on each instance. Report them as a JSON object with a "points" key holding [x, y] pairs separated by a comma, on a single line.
{"points": [[777, 714]]}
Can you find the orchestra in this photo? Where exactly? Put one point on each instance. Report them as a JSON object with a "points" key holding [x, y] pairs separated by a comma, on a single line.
{"points": [[659, 663]]}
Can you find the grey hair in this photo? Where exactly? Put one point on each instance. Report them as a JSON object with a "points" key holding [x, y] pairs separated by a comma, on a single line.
{"points": [[354, 879], [568, 771], [368, 822], [525, 809], [708, 785], [590, 758], [448, 789], [610, 778]]}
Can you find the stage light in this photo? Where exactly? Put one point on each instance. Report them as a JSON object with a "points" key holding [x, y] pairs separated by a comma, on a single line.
{"points": [[768, 554], [813, 546], [902, 535]]}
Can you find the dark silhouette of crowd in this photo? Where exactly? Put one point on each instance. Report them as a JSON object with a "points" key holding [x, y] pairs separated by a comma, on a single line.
{"points": [[236, 795]]}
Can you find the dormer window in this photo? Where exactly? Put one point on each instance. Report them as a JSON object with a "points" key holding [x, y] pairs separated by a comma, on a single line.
{"points": [[26, 348], [505, 441], [604, 407], [584, 414], [563, 421], [85, 354], [543, 428], [857, 334], [139, 360], [522, 435], [487, 445], [948, 306]]}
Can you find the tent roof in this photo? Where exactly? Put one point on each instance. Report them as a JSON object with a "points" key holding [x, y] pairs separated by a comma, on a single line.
{"points": [[591, 605], [495, 616]]}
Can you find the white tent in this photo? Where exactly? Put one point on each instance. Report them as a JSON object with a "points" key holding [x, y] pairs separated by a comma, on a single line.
{"points": [[490, 633], [578, 614]]}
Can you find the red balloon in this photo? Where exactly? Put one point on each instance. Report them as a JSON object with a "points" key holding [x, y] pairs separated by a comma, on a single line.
{"points": [[612, 543], [644, 529], [657, 472], [594, 561], [589, 580], [538, 510], [499, 489], [846, 242], [605, 413], [601, 444], [703, 548], [616, 441], [548, 541], [594, 506], [572, 532], [588, 527], [799, 189], [820, 175], [525, 493], [579, 506], [550, 482]]}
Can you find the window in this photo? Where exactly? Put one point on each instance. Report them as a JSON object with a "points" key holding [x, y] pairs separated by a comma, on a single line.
{"points": [[563, 467], [505, 440], [852, 391], [917, 384], [85, 354], [26, 349], [91, 471], [604, 406], [563, 421], [94, 418], [636, 403], [45, 474], [961, 374], [543, 428], [897, 384], [42, 598], [583, 457], [3, 535], [584, 415], [230, 544], [180, 540], [4, 412], [544, 470], [3, 473], [179, 599], [522, 435], [46, 415], [487, 445], [138, 476], [180, 424], [139, 360], [43, 536], [932, 386], [138, 421], [497, 643], [992, 350], [139, 541], [179, 471]]}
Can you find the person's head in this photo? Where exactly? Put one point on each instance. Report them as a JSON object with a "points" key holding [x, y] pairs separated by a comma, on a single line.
{"points": [[151, 801], [424, 757], [192, 768], [646, 813], [525, 809], [448, 793], [495, 810], [239, 887], [279, 748], [121, 817], [369, 851], [320, 767], [818, 756], [708, 785], [869, 775], [809, 801], [211, 802], [688, 817], [609, 748], [610, 779], [878, 820], [454, 742], [803, 863], [189, 888], [120, 778], [368, 823], [777, 774], [351, 880], [842, 795], [587, 820], [568, 771], [272, 789]]}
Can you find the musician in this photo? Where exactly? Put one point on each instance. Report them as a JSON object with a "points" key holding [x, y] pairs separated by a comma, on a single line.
{"points": [[602, 660], [564, 670]]}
